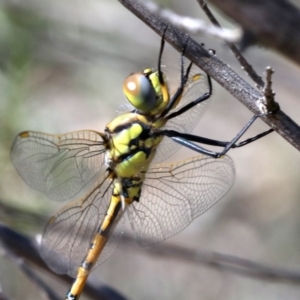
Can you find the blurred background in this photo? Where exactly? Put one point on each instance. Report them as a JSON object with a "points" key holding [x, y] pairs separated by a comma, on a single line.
{"points": [[62, 65]]}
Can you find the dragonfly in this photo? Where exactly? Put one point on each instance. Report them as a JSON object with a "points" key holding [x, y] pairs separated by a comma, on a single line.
{"points": [[122, 170]]}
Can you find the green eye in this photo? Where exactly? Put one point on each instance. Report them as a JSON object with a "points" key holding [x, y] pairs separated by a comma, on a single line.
{"points": [[140, 92]]}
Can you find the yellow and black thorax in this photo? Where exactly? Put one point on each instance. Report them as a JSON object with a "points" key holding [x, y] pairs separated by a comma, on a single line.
{"points": [[132, 138]]}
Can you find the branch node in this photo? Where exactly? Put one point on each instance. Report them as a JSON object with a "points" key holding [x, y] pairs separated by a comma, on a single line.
{"points": [[267, 103]]}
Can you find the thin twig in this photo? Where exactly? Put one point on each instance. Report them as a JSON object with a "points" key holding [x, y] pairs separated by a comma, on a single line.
{"points": [[219, 71], [273, 24], [267, 103], [222, 262], [192, 25], [244, 63]]}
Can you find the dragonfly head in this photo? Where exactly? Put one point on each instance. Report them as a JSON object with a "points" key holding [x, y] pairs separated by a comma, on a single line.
{"points": [[145, 91]]}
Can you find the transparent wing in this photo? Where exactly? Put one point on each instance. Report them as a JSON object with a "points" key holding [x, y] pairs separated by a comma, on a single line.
{"points": [[196, 86], [173, 195], [58, 165], [69, 233]]}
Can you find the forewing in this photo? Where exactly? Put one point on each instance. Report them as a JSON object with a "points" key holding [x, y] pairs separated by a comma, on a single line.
{"points": [[196, 86], [69, 233], [173, 195], [58, 165]]}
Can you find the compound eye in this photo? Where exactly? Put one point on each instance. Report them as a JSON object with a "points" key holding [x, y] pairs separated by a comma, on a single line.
{"points": [[140, 92]]}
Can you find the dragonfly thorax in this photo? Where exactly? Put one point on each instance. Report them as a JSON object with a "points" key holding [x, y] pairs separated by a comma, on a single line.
{"points": [[132, 145]]}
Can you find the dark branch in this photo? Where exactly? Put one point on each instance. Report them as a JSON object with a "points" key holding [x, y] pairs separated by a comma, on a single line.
{"points": [[219, 71], [273, 24], [223, 262], [243, 62], [3, 296], [26, 249], [33, 277]]}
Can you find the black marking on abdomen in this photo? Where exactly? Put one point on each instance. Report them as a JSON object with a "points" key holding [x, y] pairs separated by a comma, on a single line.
{"points": [[71, 296], [105, 233], [87, 265]]}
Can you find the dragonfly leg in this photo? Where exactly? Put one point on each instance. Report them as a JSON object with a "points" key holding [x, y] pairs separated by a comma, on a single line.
{"points": [[184, 75], [188, 140], [190, 105], [161, 50]]}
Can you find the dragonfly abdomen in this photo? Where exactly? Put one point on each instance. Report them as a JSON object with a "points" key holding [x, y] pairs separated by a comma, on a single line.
{"points": [[112, 216]]}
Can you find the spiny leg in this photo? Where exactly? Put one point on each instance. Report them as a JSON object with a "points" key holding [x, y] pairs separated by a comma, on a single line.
{"points": [[161, 50], [188, 140], [190, 105], [184, 75]]}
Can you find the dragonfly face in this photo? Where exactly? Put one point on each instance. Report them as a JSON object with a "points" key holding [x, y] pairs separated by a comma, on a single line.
{"points": [[160, 199], [147, 91]]}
